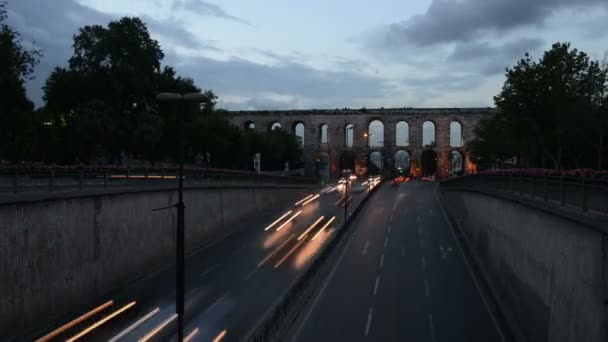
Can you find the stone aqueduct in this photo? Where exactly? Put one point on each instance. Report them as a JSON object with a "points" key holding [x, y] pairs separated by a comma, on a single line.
{"points": [[338, 120]]}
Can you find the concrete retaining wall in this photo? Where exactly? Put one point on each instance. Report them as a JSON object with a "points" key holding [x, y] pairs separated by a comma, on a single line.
{"points": [[58, 254], [548, 273]]}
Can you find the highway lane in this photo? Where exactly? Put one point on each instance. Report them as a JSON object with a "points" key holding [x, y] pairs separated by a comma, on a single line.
{"points": [[400, 277], [230, 284]]}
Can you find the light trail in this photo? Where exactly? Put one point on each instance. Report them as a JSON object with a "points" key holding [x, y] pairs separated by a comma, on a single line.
{"points": [[288, 254], [277, 221], [101, 322], [134, 325], [275, 251], [310, 200], [323, 228], [310, 227], [72, 323], [157, 329], [303, 199], [191, 335], [289, 220], [220, 336]]}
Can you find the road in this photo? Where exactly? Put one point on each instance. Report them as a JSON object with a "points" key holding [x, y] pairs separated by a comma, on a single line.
{"points": [[400, 277], [229, 284]]}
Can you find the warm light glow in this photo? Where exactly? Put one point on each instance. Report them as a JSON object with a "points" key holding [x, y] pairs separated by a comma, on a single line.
{"points": [[311, 227], [289, 220], [72, 323], [293, 249], [277, 221], [99, 323], [275, 251], [324, 226], [364, 183], [134, 325], [220, 336], [303, 199], [310, 200], [157, 329], [191, 335]]}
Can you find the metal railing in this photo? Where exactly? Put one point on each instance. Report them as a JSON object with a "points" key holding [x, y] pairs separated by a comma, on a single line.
{"points": [[584, 194], [14, 180]]}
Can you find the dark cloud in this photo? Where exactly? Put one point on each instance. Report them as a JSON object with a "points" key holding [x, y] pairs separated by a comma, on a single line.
{"points": [[245, 78], [465, 20], [52, 24], [206, 9]]}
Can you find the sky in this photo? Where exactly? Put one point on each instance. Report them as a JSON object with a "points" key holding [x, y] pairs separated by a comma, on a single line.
{"points": [[287, 54]]}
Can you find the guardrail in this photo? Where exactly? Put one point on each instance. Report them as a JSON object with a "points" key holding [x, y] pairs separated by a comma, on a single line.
{"points": [[18, 181], [584, 194], [286, 308]]}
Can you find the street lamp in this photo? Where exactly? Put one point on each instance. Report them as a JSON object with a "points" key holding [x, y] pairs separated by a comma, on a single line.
{"points": [[181, 100]]}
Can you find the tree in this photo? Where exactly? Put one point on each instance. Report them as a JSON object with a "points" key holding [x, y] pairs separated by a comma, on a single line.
{"points": [[16, 66], [544, 111], [105, 98]]}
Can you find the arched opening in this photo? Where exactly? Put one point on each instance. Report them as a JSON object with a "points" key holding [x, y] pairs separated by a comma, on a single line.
{"points": [[456, 163], [323, 166], [298, 131], [374, 167], [324, 134], [347, 161], [349, 134], [428, 133], [375, 134], [249, 125], [402, 162], [428, 163], [274, 125], [402, 134], [455, 134]]}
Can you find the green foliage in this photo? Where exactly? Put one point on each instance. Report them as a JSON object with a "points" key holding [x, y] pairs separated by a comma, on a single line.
{"points": [[550, 113]]}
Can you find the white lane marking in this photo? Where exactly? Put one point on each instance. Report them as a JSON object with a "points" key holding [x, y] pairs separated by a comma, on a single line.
{"points": [[391, 220], [442, 251], [381, 260], [419, 230], [365, 247], [385, 241], [468, 265], [402, 251], [369, 321], [217, 301], [423, 263], [324, 287], [389, 229], [251, 274], [426, 287], [405, 212], [376, 284], [207, 271], [431, 211], [432, 327], [421, 243]]}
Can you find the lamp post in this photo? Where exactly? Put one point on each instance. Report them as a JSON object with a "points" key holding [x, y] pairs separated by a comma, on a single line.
{"points": [[181, 100]]}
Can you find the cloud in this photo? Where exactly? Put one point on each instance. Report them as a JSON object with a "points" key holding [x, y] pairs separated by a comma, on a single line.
{"points": [[52, 24], [308, 85], [205, 8], [464, 20]]}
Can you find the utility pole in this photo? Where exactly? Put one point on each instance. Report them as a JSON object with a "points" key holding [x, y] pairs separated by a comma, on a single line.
{"points": [[182, 102]]}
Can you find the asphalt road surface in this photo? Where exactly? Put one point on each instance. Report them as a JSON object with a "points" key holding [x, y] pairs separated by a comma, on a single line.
{"points": [[229, 284], [400, 277]]}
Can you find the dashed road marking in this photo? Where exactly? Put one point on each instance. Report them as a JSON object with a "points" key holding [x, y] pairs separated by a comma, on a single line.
{"points": [[217, 302], [442, 251], [381, 260], [365, 247], [421, 243], [389, 229], [423, 263], [385, 242], [207, 271], [426, 287], [376, 284], [369, 321], [432, 327]]}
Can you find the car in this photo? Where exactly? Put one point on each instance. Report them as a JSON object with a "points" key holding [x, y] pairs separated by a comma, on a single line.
{"points": [[397, 181]]}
